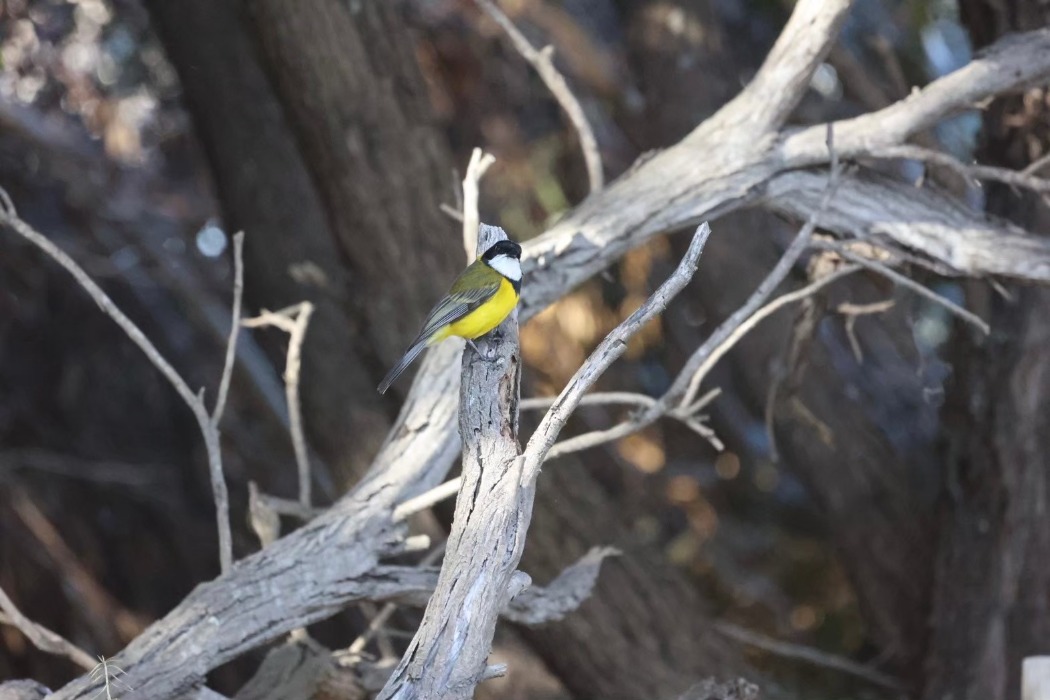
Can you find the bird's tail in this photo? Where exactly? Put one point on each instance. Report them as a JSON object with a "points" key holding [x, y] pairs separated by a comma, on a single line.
{"points": [[403, 364]]}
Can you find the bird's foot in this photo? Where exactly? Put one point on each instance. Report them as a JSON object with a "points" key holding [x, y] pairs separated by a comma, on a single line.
{"points": [[483, 356]]}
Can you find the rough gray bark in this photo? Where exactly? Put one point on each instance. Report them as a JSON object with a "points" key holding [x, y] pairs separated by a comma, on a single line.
{"points": [[348, 80], [446, 658]]}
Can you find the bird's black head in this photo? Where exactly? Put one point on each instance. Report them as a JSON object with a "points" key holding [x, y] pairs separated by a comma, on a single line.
{"points": [[507, 248]]}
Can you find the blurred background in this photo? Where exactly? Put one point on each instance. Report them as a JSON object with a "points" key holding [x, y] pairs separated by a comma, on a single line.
{"points": [[859, 453]]}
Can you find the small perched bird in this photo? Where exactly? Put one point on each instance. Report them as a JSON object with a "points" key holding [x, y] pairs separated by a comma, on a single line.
{"points": [[481, 297]]}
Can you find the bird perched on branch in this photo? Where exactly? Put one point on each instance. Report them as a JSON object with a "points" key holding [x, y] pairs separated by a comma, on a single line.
{"points": [[481, 297]]}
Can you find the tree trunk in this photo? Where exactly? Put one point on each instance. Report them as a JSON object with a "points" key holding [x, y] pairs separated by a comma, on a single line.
{"points": [[990, 602], [265, 188]]}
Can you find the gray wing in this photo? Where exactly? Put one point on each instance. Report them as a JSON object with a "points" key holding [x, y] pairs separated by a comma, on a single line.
{"points": [[470, 290]]}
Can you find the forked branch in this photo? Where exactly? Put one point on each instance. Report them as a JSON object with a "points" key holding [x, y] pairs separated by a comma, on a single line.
{"points": [[207, 422]]}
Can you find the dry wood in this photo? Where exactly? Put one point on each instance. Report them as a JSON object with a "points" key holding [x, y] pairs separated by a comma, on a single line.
{"points": [[41, 637], [543, 62], [479, 163], [208, 423], [808, 654], [447, 656], [294, 321], [719, 167]]}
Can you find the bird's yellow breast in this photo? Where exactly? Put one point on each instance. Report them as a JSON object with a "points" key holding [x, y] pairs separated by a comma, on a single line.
{"points": [[484, 318]]}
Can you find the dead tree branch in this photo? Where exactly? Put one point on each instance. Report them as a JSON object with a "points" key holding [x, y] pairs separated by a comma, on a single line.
{"points": [[479, 163], [1013, 63], [543, 62], [41, 637], [970, 172], [235, 327], [807, 654], [907, 282], [195, 401], [447, 656], [294, 321]]}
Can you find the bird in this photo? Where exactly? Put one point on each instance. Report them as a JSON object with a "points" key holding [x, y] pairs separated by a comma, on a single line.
{"points": [[481, 297]]}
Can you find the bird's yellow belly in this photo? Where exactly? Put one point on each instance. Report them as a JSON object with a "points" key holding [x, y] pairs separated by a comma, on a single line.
{"points": [[486, 317]]}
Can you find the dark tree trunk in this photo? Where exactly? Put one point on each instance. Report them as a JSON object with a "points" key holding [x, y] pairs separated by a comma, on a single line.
{"points": [[991, 606]]}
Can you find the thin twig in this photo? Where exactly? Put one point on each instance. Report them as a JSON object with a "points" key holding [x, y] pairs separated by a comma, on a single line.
{"points": [[1037, 165], [596, 438], [425, 500], [235, 327], [807, 654], [195, 402], [383, 616], [41, 637], [293, 320], [603, 398], [543, 62], [614, 345], [680, 400], [451, 212], [854, 311], [700, 363], [905, 281], [970, 172], [479, 163], [749, 323], [109, 674]]}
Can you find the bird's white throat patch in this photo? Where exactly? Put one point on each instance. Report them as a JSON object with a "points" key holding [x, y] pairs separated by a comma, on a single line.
{"points": [[507, 266]]}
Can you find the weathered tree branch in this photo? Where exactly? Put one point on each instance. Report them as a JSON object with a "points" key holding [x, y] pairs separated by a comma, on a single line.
{"points": [[207, 422], [41, 637], [1010, 64], [294, 321], [543, 62], [446, 658], [708, 174], [925, 220]]}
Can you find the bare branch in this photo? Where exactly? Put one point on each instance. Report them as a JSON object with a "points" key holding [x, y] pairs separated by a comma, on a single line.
{"points": [[535, 606], [1011, 63], [604, 355], [195, 402], [447, 656], [605, 398], [423, 501], [701, 361], [543, 62], [710, 173], [680, 400], [870, 206], [687, 407], [1037, 165], [808, 654], [911, 284], [293, 320], [381, 618], [781, 82], [41, 637], [967, 171], [235, 327], [479, 163]]}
